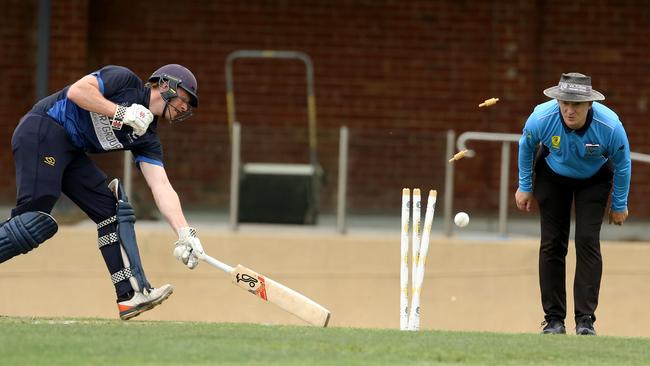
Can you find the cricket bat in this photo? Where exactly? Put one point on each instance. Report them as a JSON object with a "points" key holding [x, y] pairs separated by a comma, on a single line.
{"points": [[274, 292]]}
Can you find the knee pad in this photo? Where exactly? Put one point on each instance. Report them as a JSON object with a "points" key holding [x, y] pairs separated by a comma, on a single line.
{"points": [[25, 232]]}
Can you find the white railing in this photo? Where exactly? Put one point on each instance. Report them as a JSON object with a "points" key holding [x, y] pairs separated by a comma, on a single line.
{"points": [[644, 158]]}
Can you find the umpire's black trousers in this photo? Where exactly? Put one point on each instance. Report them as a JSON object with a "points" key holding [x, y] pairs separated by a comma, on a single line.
{"points": [[555, 195]]}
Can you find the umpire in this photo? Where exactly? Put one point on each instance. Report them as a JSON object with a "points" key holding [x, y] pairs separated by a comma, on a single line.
{"points": [[577, 149]]}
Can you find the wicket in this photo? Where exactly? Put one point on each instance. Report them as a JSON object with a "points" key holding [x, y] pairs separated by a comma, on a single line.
{"points": [[410, 316]]}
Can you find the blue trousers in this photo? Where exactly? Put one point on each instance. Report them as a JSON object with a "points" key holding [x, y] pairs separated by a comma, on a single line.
{"points": [[47, 164]]}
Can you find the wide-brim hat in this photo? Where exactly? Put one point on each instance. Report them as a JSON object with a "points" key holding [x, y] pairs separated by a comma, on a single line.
{"points": [[574, 87]]}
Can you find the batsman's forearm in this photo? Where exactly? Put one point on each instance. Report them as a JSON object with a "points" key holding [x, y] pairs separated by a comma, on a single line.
{"points": [[86, 94], [164, 195], [170, 207]]}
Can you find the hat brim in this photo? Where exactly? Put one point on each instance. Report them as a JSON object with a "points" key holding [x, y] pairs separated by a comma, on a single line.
{"points": [[555, 93]]}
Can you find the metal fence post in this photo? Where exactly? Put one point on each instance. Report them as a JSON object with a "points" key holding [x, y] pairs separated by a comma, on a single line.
{"points": [[127, 173], [235, 163], [503, 188], [343, 180], [449, 184]]}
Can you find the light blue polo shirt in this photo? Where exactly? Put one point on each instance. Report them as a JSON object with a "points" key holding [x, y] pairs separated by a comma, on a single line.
{"points": [[577, 153]]}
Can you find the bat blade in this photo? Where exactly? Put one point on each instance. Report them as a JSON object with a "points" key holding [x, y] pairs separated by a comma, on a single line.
{"points": [[280, 295]]}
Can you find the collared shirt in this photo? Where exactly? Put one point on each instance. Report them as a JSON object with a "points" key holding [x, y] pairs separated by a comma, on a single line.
{"points": [[577, 153], [96, 133]]}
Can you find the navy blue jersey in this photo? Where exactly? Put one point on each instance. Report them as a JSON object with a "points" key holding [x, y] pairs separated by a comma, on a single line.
{"points": [[96, 133]]}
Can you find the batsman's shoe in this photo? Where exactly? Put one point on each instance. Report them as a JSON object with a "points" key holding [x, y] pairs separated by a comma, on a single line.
{"points": [[585, 325], [143, 301], [554, 326]]}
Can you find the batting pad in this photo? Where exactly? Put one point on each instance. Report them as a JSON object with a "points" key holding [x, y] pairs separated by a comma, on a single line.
{"points": [[25, 232], [126, 234]]}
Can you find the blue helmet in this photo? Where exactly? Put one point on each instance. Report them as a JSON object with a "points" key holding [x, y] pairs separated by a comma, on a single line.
{"points": [[176, 76]]}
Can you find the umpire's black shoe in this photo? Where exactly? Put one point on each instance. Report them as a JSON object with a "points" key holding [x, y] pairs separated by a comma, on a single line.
{"points": [[553, 326], [585, 325]]}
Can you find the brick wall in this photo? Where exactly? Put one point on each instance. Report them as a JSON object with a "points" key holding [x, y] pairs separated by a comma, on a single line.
{"points": [[17, 71], [398, 73]]}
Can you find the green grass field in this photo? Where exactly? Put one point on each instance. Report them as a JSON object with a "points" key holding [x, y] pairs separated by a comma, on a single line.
{"points": [[45, 341]]}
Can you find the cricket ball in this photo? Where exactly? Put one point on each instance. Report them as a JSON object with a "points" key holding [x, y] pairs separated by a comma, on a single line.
{"points": [[461, 219]]}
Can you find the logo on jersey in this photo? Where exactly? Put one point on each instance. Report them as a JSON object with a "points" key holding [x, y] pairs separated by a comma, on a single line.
{"points": [[49, 160], [104, 131], [592, 149], [555, 142]]}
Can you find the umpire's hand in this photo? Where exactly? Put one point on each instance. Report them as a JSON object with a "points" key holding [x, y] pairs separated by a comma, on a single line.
{"points": [[524, 200], [617, 217]]}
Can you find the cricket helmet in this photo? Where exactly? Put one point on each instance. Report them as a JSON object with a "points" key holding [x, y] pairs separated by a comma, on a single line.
{"points": [[176, 76]]}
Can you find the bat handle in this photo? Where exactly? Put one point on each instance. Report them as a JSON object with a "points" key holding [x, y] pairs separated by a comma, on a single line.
{"points": [[215, 263]]}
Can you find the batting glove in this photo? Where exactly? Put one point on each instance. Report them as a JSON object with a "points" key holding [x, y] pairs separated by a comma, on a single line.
{"points": [[188, 247], [137, 116]]}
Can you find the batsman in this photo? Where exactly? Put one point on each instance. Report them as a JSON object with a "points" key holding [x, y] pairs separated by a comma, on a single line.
{"points": [[108, 110]]}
